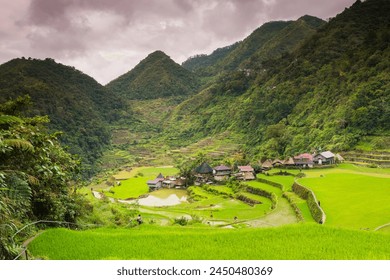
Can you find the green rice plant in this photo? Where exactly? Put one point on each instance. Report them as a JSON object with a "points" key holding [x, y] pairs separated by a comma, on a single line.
{"points": [[151, 242], [352, 200], [136, 185]]}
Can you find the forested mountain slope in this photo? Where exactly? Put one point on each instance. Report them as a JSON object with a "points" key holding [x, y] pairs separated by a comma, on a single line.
{"points": [[329, 92], [75, 103], [202, 61], [271, 40]]}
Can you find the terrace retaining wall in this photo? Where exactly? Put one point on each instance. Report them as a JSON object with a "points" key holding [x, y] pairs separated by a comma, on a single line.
{"points": [[297, 211], [273, 184], [269, 195], [315, 209]]}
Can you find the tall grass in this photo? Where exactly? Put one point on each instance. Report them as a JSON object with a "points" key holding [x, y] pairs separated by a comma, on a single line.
{"points": [[307, 241]]}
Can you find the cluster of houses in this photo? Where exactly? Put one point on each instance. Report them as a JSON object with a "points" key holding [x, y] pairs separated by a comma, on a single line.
{"points": [[205, 174], [304, 160], [166, 182]]}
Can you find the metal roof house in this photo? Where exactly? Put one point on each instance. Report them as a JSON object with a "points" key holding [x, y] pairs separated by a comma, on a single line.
{"points": [[325, 158], [222, 173], [155, 184], [247, 172]]}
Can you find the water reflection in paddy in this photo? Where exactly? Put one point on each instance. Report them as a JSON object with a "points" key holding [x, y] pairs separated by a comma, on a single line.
{"points": [[163, 197]]}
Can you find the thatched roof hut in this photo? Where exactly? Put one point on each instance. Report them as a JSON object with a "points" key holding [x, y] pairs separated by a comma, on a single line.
{"points": [[289, 161], [339, 158], [267, 164], [204, 168]]}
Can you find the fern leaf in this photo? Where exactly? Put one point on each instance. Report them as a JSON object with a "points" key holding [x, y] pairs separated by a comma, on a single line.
{"points": [[19, 144], [32, 180], [6, 119]]}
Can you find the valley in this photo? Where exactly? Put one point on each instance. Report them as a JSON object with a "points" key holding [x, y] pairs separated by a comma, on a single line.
{"points": [[297, 115], [353, 198]]}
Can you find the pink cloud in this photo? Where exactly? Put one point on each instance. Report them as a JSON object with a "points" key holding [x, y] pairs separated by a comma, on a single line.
{"points": [[89, 34]]}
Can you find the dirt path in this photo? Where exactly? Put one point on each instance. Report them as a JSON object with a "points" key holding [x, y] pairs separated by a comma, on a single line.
{"points": [[282, 215]]}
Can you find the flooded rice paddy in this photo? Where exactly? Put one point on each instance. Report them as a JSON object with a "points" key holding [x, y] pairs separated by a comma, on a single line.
{"points": [[162, 197]]}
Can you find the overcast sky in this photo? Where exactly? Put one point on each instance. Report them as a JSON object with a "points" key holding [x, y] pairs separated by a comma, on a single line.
{"points": [[106, 38]]}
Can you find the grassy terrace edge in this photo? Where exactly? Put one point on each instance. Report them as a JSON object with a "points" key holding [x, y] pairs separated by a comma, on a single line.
{"points": [[150, 242]]}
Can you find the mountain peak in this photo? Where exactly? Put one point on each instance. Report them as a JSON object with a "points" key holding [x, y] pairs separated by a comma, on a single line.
{"points": [[155, 76], [312, 21], [158, 53]]}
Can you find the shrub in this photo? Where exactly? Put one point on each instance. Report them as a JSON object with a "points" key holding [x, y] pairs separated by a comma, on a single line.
{"points": [[183, 221]]}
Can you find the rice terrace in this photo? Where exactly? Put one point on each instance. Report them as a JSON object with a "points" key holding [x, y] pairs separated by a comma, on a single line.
{"points": [[270, 140], [217, 225]]}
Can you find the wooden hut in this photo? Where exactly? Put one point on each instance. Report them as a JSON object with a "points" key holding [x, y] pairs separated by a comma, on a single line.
{"points": [[289, 162], [277, 163], [266, 165], [247, 172], [304, 160], [203, 173], [222, 173]]}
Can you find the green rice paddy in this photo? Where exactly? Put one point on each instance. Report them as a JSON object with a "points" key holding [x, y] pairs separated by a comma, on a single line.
{"points": [[355, 199], [135, 184], [297, 242], [352, 200]]}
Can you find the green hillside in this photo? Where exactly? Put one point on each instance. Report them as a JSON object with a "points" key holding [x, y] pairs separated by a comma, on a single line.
{"points": [[328, 93], [202, 61], [156, 76], [270, 40], [75, 103], [285, 41]]}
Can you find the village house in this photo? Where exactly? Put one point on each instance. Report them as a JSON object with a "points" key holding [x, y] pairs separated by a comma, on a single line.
{"points": [[304, 160], [339, 158], [267, 165], [277, 163], [222, 173], [166, 182], [289, 162], [325, 158], [156, 183], [203, 174], [246, 172]]}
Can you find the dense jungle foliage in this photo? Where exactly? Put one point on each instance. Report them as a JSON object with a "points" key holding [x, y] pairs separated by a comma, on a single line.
{"points": [[38, 179]]}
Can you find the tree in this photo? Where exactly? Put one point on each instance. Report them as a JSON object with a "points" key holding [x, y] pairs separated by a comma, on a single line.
{"points": [[37, 176]]}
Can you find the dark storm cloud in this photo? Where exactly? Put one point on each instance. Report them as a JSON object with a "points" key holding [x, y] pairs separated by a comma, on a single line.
{"points": [[107, 38]]}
